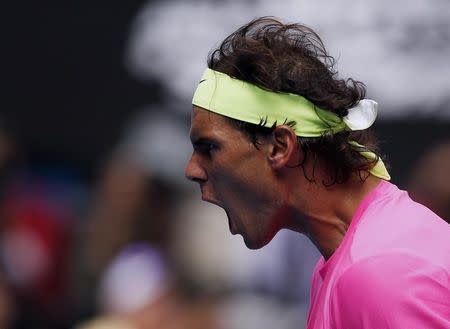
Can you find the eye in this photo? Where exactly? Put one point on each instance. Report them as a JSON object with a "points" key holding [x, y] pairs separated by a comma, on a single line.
{"points": [[205, 147]]}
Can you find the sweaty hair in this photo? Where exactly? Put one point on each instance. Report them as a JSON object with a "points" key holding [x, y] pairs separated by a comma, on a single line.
{"points": [[292, 58]]}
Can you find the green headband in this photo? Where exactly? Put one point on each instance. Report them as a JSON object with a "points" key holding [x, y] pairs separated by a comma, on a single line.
{"points": [[237, 99]]}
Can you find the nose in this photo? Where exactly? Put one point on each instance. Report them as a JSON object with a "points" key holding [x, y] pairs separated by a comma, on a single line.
{"points": [[194, 171]]}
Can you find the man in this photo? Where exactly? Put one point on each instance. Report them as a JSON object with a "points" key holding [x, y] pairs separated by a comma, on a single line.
{"points": [[281, 142]]}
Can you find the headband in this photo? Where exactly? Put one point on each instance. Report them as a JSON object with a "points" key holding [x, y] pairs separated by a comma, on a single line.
{"points": [[241, 100]]}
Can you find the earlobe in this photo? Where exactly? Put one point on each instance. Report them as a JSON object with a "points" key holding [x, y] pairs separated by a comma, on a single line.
{"points": [[284, 147]]}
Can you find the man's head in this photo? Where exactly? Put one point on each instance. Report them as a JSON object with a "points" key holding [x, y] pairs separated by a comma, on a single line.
{"points": [[291, 58], [247, 168]]}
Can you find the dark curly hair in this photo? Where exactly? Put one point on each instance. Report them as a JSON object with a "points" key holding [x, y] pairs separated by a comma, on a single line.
{"points": [[291, 58]]}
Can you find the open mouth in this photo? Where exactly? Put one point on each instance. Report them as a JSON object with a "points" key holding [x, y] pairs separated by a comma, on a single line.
{"points": [[232, 227]]}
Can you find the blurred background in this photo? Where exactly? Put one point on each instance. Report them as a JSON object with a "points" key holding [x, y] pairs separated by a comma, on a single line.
{"points": [[99, 229]]}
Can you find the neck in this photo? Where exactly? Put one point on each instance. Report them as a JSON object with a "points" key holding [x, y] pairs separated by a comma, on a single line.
{"points": [[325, 213]]}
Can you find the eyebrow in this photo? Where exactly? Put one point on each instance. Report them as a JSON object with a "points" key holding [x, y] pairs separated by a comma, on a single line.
{"points": [[202, 140]]}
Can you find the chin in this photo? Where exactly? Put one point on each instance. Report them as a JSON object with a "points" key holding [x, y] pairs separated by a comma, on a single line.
{"points": [[253, 246], [256, 244]]}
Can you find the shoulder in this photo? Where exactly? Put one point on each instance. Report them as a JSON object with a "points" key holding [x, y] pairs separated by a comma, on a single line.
{"points": [[393, 268], [393, 290], [402, 224]]}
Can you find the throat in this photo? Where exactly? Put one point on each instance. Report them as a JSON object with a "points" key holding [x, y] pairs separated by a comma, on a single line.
{"points": [[279, 219], [329, 214]]}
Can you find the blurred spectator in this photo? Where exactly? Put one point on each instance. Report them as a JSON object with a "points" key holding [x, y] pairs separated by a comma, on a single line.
{"points": [[35, 244], [134, 198], [429, 181], [138, 291], [37, 209], [126, 254]]}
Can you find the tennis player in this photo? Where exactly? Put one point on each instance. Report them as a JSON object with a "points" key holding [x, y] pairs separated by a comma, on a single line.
{"points": [[281, 142]]}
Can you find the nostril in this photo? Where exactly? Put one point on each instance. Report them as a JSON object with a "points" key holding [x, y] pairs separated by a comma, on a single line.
{"points": [[194, 176], [197, 180], [190, 174], [191, 178]]}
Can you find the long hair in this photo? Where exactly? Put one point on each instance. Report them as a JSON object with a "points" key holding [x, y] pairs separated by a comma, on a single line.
{"points": [[292, 58]]}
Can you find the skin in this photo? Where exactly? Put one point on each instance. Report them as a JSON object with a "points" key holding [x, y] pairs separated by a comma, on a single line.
{"points": [[263, 191]]}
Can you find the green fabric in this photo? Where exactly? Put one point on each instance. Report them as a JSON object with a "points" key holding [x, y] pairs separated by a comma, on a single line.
{"points": [[219, 93], [379, 170], [237, 99]]}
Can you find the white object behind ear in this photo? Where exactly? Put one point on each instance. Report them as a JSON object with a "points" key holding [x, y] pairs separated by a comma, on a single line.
{"points": [[362, 115]]}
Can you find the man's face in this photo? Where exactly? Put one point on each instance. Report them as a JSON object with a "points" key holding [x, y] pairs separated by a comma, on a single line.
{"points": [[235, 175]]}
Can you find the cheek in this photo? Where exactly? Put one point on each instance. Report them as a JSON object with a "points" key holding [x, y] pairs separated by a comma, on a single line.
{"points": [[241, 181], [240, 177]]}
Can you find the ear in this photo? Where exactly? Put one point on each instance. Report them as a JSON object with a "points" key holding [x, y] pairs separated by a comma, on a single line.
{"points": [[284, 148]]}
